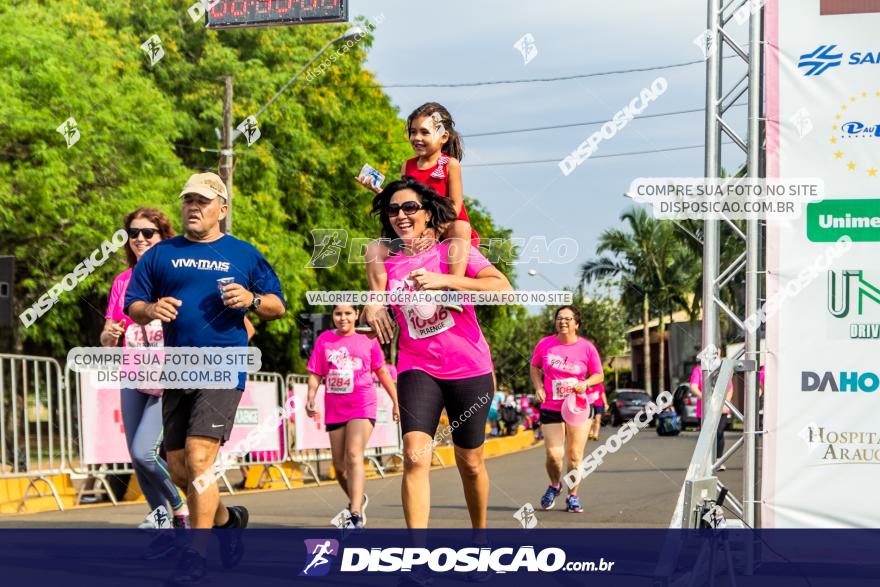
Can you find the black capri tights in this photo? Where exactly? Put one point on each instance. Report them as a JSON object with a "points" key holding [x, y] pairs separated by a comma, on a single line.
{"points": [[467, 401]]}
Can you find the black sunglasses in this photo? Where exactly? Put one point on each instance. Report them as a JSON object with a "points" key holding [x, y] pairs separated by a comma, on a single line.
{"points": [[409, 208], [147, 232]]}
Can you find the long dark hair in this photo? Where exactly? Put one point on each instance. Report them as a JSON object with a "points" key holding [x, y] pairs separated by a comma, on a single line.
{"points": [[440, 208], [454, 147], [154, 216]]}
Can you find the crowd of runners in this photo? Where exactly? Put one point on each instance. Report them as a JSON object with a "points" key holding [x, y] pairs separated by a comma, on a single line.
{"points": [[169, 296]]}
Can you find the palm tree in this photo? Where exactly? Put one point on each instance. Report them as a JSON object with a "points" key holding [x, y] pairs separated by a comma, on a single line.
{"points": [[675, 269], [656, 271], [630, 264]]}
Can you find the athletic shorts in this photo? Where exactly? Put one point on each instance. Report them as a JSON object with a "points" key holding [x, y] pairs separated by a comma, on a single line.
{"points": [[338, 425], [599, 409], [555, 416], [198, 412], [467, 402]]}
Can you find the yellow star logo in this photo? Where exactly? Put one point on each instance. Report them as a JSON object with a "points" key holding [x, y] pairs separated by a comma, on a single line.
{"points": [[833, 140], [834, 127], [852, 98], [852, 166], [872, 172], [838, 155], [864, 94], [843, 106], [877, 94], [837, 117]]}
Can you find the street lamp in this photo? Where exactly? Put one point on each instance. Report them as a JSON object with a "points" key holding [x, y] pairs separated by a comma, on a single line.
{"points": [[229, 134], [354, 32], [534, 273]]}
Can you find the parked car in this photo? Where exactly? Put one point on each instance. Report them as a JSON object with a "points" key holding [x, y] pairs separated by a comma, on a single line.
{"points": [[685, 403], [626, 403]]}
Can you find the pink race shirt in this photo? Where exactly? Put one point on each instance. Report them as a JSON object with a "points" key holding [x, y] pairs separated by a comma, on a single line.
{"points": [[563, 366], [697, 379], [346, 364], [448, 345], [134, 334]]}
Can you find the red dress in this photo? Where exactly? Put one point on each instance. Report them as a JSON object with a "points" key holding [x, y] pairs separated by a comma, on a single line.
{"points": [[435, 178]]}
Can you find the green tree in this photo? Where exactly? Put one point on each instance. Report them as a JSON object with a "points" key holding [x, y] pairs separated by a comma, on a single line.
{"points": [[58, 204], [631, 262], [655, 270], [145, 129]]}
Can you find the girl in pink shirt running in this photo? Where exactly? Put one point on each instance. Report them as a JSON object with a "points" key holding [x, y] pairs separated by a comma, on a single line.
{"points": [[346, 361], [444, 360], [562, 364]]}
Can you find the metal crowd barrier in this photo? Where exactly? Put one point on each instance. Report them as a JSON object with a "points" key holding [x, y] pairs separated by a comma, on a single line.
{"points": [[31, 422], [74, 437], [41, 435], [305, 458], [256, 458], [374, 456]]}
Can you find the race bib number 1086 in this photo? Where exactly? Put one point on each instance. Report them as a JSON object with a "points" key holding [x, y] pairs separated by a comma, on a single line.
{"points": [[420, 328]]}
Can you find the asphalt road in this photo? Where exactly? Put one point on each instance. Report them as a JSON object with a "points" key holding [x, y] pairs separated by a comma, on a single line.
{"points": [[636, 487]]}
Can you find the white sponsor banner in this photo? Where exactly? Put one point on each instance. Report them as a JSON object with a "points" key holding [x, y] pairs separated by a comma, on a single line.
{"points": [[256, 418], [101, 426], [310, 433], [822, 380]]}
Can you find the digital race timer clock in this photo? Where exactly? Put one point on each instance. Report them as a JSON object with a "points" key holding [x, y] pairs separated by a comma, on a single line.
{"points": [[252, 13]]}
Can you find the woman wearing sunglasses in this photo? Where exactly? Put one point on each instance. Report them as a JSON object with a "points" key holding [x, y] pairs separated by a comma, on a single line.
{"points": [[142, 408], [444, 360], [564, 367]]}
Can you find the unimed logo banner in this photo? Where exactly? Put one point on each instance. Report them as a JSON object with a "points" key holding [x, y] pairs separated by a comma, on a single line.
{"points": [[822, 394], [849, 6]]}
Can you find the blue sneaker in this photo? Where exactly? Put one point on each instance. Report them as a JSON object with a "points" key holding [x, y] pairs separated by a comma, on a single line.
{"points": [[573, 504], [549, 497]]}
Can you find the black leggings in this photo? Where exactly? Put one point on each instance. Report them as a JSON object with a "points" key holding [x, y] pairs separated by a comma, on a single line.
{"points": [[467, 401]]}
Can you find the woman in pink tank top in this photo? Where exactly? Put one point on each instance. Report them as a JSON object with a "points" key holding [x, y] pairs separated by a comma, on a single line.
{"points": [[444, 360]]}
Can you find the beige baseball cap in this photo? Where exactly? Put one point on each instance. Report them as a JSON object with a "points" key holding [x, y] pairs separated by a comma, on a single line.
{"points": [[208, 185]]}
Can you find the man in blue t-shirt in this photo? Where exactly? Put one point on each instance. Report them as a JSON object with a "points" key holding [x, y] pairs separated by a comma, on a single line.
{"points": [[176, 282]]}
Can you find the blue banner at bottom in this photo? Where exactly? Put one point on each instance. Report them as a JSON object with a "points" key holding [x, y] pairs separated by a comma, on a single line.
{"points": [[269, 557]]}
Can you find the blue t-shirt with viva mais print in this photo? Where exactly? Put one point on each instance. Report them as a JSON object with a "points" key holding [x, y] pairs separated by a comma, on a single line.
{"points": [[189, 271]]}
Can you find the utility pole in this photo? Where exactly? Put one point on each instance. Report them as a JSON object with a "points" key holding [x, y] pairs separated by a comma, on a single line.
{"points": [[227, 165]]}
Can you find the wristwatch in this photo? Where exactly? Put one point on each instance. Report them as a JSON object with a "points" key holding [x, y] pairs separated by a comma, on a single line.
{"points": [[256, 303]]}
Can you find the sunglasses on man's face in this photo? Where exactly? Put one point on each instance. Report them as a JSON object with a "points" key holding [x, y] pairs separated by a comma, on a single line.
{"points": [[409, 208], [147, 232]]}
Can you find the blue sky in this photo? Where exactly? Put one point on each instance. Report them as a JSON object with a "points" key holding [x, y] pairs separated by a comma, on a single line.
{"points": [[457, 41]]}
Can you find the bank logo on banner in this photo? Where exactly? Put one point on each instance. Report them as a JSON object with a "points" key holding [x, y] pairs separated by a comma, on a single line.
{"points": [[848, 291], [321, 554], [855, 133], [824, 57], [820, 59]]}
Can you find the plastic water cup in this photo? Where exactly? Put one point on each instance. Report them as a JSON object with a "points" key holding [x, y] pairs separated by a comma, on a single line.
{"points": [[224, 281]]}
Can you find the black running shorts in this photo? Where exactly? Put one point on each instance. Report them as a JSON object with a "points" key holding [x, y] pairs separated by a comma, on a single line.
{"points": [[555, 416], [198, 412], [338, 425], [467, 401]]}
